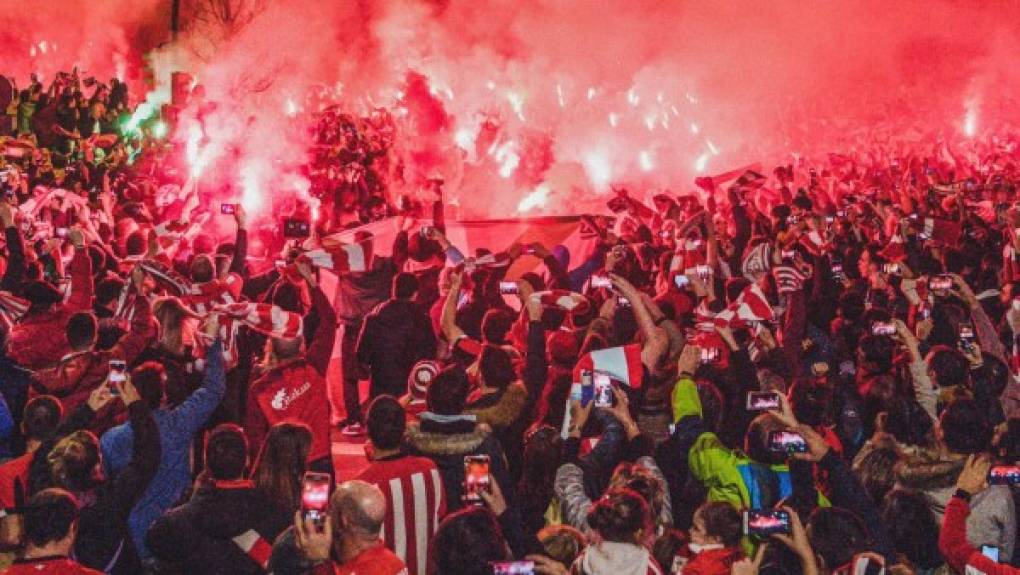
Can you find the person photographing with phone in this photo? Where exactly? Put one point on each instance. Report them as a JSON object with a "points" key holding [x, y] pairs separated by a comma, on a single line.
{"points": [[954, 538]]}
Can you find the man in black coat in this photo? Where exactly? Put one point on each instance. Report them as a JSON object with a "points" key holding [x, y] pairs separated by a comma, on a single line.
{"points": [[396, 335]]}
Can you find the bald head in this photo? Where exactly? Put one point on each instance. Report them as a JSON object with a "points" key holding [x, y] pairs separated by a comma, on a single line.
{"points": [[360, 507]]}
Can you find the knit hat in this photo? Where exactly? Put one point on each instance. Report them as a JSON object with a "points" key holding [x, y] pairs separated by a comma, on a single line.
{"points": [[418, 381]]}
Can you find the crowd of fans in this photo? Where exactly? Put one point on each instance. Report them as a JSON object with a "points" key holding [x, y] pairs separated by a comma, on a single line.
{"points": [[806, 371]]}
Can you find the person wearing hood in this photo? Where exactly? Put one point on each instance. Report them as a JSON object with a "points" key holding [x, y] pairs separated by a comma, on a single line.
{"points": [[622, 520], [397, 334], [445, 435], [963, 430]]}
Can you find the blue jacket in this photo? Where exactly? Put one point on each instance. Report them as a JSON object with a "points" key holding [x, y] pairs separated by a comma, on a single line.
{"points": [[177, 428]]}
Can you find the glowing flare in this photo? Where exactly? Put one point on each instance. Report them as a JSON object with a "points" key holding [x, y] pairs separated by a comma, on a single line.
{"points": [[559, 96], [290, 108], [159, 129], [591, 93], [701, 163], [537, 198], [613, 119], [650, 122], [632, 97], [694, 128], [645, 161], [465, 138], [712, 148], [596, 164], [970, 120], [508, 159], [516, 103]]}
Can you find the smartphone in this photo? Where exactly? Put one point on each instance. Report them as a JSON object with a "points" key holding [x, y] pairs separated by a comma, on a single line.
{"points": [[513, 567], [425, 231], [280, 263], [924, 313], [296, 228], [882, 328], [603, 390], [864, 565], [789, 254], [315, 497], [762, 400], [837, 272], [476, 477], [763, 523], [1004, 475], [508, 288], [665, 234], [941, 283], [990, 552], [703, 271], [586, 377], [528, 251], [829, 219], [61, 233], [681, 281], [841, 213], [966, 332], [601, 282], [891, 269], [118, 373], [709, 354], [787, 442], [228, 208]]}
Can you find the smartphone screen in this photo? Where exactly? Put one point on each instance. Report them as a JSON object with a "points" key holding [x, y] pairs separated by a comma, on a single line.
{"points": [[228, 208], [787, 442], [118, 371], [476, 477], [966, 331], [990, 552], [61, 233], [622, 302], [603, 390], [315, 496], [513, 568], [601, 282], [766, 522], [941, 283], [762, 400], [508, 288], [296, 228], [883, 329], [1004, 475], [681, 281], [709, 354]]}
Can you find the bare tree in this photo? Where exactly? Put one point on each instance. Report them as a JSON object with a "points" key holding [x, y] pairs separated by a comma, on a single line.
{"points": [[217, 21]]}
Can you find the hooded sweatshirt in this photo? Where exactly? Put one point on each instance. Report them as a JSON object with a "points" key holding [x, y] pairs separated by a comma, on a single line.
{"points": [[613, 558]]}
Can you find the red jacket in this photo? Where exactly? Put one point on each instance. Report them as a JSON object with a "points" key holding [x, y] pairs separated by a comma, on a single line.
{"points": [[76, 375], [713, 562], [955, 548], [296, 391], [39, 339], [49, 566]]}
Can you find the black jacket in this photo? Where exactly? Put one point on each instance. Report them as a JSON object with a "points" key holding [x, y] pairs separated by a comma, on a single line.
{"points": [[197, 537], [396, 335]]}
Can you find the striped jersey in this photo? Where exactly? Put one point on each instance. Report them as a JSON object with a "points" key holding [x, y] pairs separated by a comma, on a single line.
{"points": [[415, 504]]}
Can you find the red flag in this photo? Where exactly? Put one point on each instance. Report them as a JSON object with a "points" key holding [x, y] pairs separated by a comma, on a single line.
{"points": [[341, 258], [946, 231], [750, 305], [620, 363], [896, 250], [710, 183], [563, 299]]}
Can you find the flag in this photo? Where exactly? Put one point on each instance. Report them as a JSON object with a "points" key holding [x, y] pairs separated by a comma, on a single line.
{"points": [[814, 243], [203, 297], [622, 363], [710, 183], [267, 319], [102, 140], [563, 299], [750, 179], [18, 148], [341, 257], [254, 546], [788, 278], [12, 308], [166, 277], [757, 261], [750, 306], [945, 231]]}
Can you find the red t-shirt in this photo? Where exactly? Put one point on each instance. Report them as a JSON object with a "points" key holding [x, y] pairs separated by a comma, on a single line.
{"points": [[49, 566], [376, 560], [13, 474]]}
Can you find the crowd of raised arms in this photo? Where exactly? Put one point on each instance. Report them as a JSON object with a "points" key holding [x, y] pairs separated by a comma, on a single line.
{"points": [[806, 370]]}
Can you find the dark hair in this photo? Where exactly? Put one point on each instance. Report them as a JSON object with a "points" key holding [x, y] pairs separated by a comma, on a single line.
{"points": [[202, 269], [149, 380], [386, 422], [108, 290], [836, 535], [226, 451], [41, 417], [907, 421], [287, 296], [49, 516], [405, 285], [73, 461], [811, 402], [913, 527], [965, 428], [135, 244], [756, 442], [495, 325], [620, 515], [448, 392], [667, 547], [877, 352], [876, 471], [466, 542], [722, 520], [81, 330], [950, 366], [282, 462], [496, 367]]}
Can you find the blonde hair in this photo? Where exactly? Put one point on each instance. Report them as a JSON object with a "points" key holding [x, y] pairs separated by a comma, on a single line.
{"points": [[73, 461]]}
